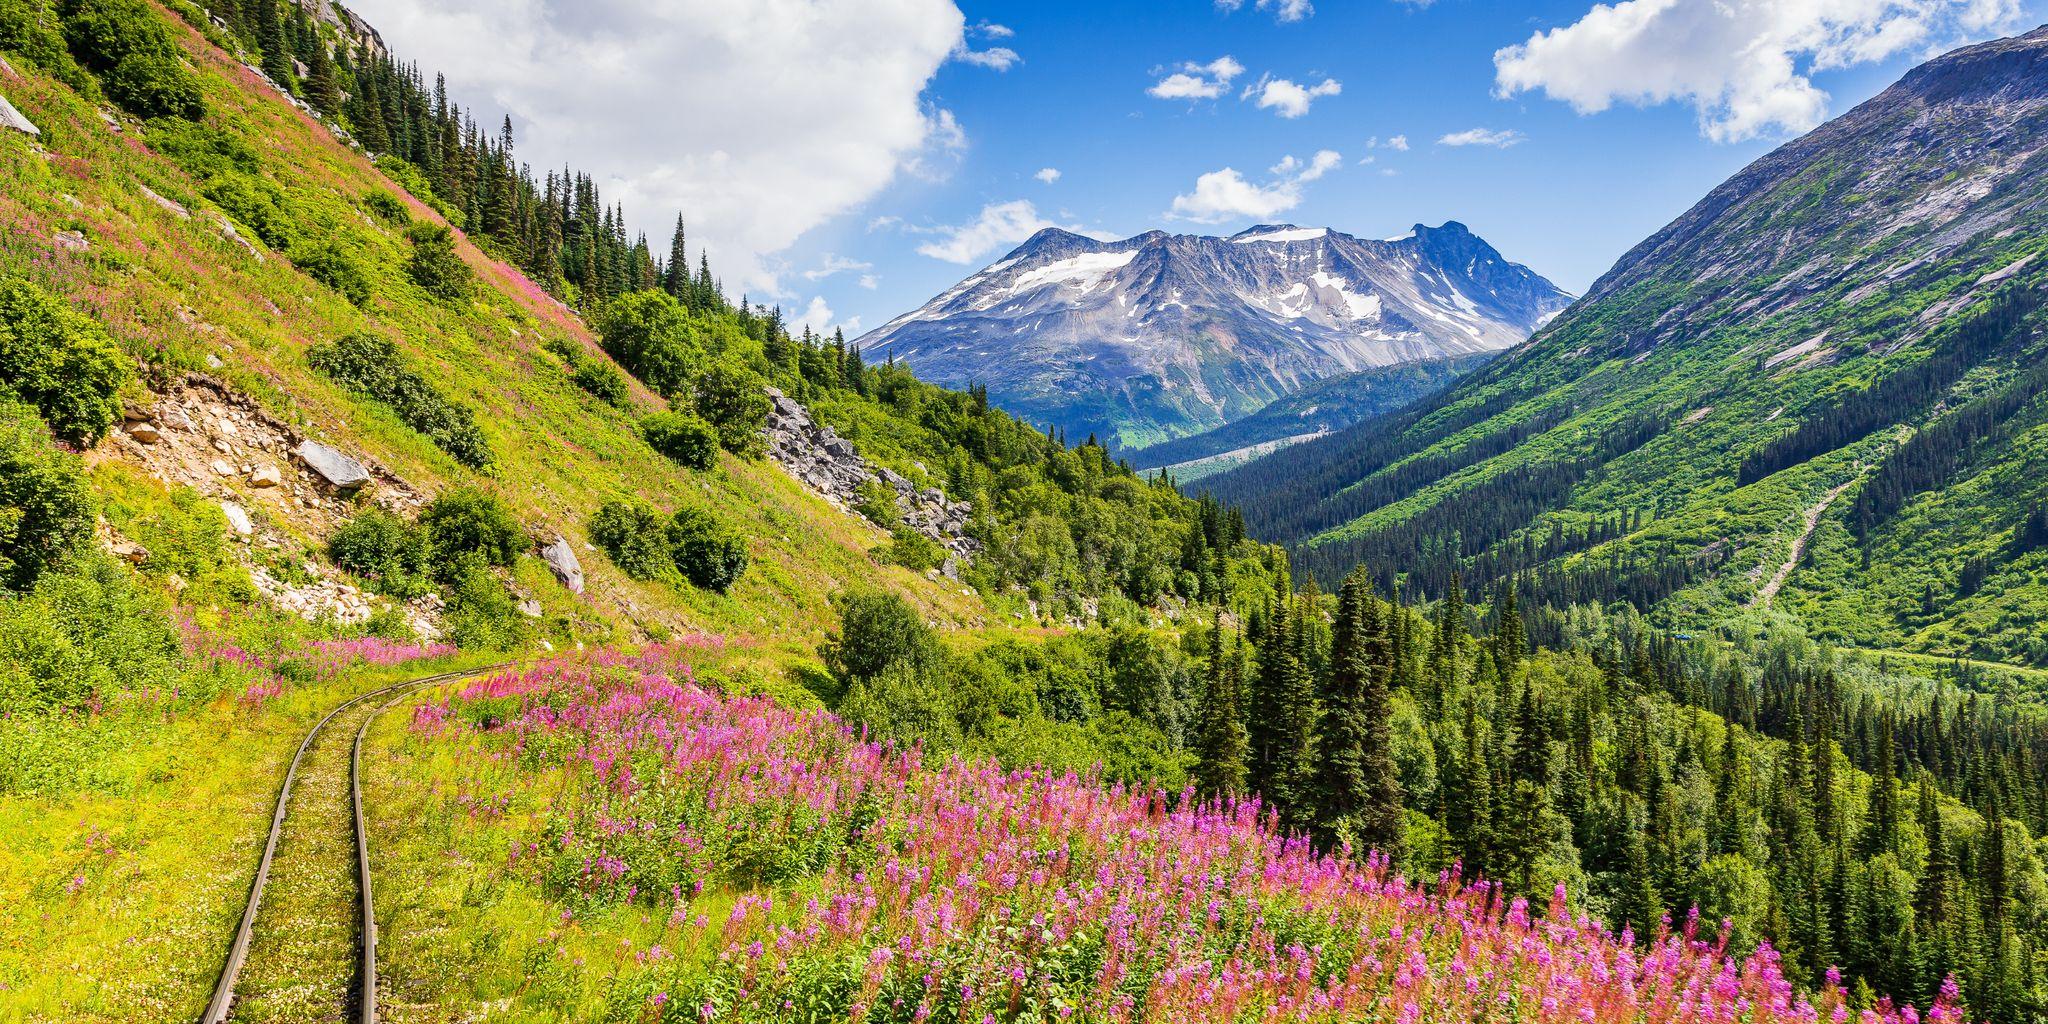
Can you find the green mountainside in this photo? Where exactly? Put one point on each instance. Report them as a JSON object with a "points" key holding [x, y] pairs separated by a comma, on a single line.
{"points": [[1819, 390]]}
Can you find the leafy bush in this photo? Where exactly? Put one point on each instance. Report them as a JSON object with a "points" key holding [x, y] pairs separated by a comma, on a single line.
{"points": [[409, 178], [385, 550], [634, 534], [915, 551], [46, 510], [647, 546], [132, 51], [335, 267], [257, 204], [876, 502], [603, 381], [387, 207], [686, 439], [470, 522], [29, 28], [734, 400], [878, 631], [61, 362], [481, 615], [370, 366], [710, 553], [83, 632], [434, 265], [654, 338]]}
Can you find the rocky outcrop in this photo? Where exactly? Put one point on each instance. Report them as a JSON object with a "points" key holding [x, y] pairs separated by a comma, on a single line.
{"points": [[561, 558], [12, 118], [831, 466], [333, 465]]}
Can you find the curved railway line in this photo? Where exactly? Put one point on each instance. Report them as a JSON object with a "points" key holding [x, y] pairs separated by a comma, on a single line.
{"points": [[356, 994]]}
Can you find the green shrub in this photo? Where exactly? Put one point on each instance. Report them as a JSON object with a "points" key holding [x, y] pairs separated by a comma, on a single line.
{"points": [[387, 207], [434, 264], [709, 553], [335, 267], [915, 551], [46, 510], [603, 381], [471, 522], [155, 85], [409, 178], [635, 536], [257, 204], [480, 614], [878, 631], [185, 532], [203, 151], [384, 550], [30, 28], [653, 337], [61, 362], [876, 501], [132, 51], [734, 400], [686, 439], [370, 366], [87, 631]]}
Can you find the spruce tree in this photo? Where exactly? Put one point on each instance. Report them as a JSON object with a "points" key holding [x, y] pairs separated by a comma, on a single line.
{"points": [[1221, 770]]}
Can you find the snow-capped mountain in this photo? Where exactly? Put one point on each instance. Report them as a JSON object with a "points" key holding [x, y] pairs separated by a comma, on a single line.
{"points": [[1158, 335]]}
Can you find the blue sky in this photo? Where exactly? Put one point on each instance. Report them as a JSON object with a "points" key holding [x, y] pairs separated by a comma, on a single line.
{"points": [[850, 158]]}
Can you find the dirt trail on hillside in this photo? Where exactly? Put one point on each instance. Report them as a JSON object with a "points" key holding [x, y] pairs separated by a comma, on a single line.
{"points": [[1770, 590]]}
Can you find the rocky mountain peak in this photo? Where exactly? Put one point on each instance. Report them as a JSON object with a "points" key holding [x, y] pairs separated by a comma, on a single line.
{"points": [[1158, 335]]}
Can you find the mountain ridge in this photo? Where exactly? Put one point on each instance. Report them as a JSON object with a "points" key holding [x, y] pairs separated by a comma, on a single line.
{"points": [[1159, 335], [1667, 440]]}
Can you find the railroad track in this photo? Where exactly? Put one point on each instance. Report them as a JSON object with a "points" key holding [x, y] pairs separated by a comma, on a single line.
{"points": [[280, 993]]}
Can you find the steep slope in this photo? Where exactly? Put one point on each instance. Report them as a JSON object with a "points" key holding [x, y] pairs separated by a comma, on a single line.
{"points": [[1666, 440], [1158, 336], [1324, 407]]}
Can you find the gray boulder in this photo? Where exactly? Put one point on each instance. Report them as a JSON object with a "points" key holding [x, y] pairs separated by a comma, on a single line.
{"points": [[333, 465], [12, 118], [562, 559]]}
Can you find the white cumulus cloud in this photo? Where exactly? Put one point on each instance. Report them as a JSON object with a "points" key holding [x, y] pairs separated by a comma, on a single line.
{"points": [[1397, 143], [1191, 81], [1048, 174], [1500, 139], [1745, 66], [1286, 98], [820, 319], [1227, 194], [997, 225], [757, 121]]}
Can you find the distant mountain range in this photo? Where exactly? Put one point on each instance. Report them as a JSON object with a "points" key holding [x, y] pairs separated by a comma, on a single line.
{"points": [[1160, 336], [1822, 390]]}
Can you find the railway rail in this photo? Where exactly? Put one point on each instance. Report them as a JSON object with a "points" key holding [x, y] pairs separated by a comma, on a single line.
{"points": [[221, 1008]]}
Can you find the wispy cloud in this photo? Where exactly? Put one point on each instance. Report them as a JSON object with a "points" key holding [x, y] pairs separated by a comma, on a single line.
{"points": [[1500, 139], [1048, 174]]}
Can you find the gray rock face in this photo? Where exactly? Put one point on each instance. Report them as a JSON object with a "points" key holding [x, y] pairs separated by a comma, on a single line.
{"points": [[832, 466], [332, 465], [12, 118], [561, 558]]}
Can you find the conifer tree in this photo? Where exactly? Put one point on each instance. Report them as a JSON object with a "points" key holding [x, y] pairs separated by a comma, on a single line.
{"points": [[1221, 770]]}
